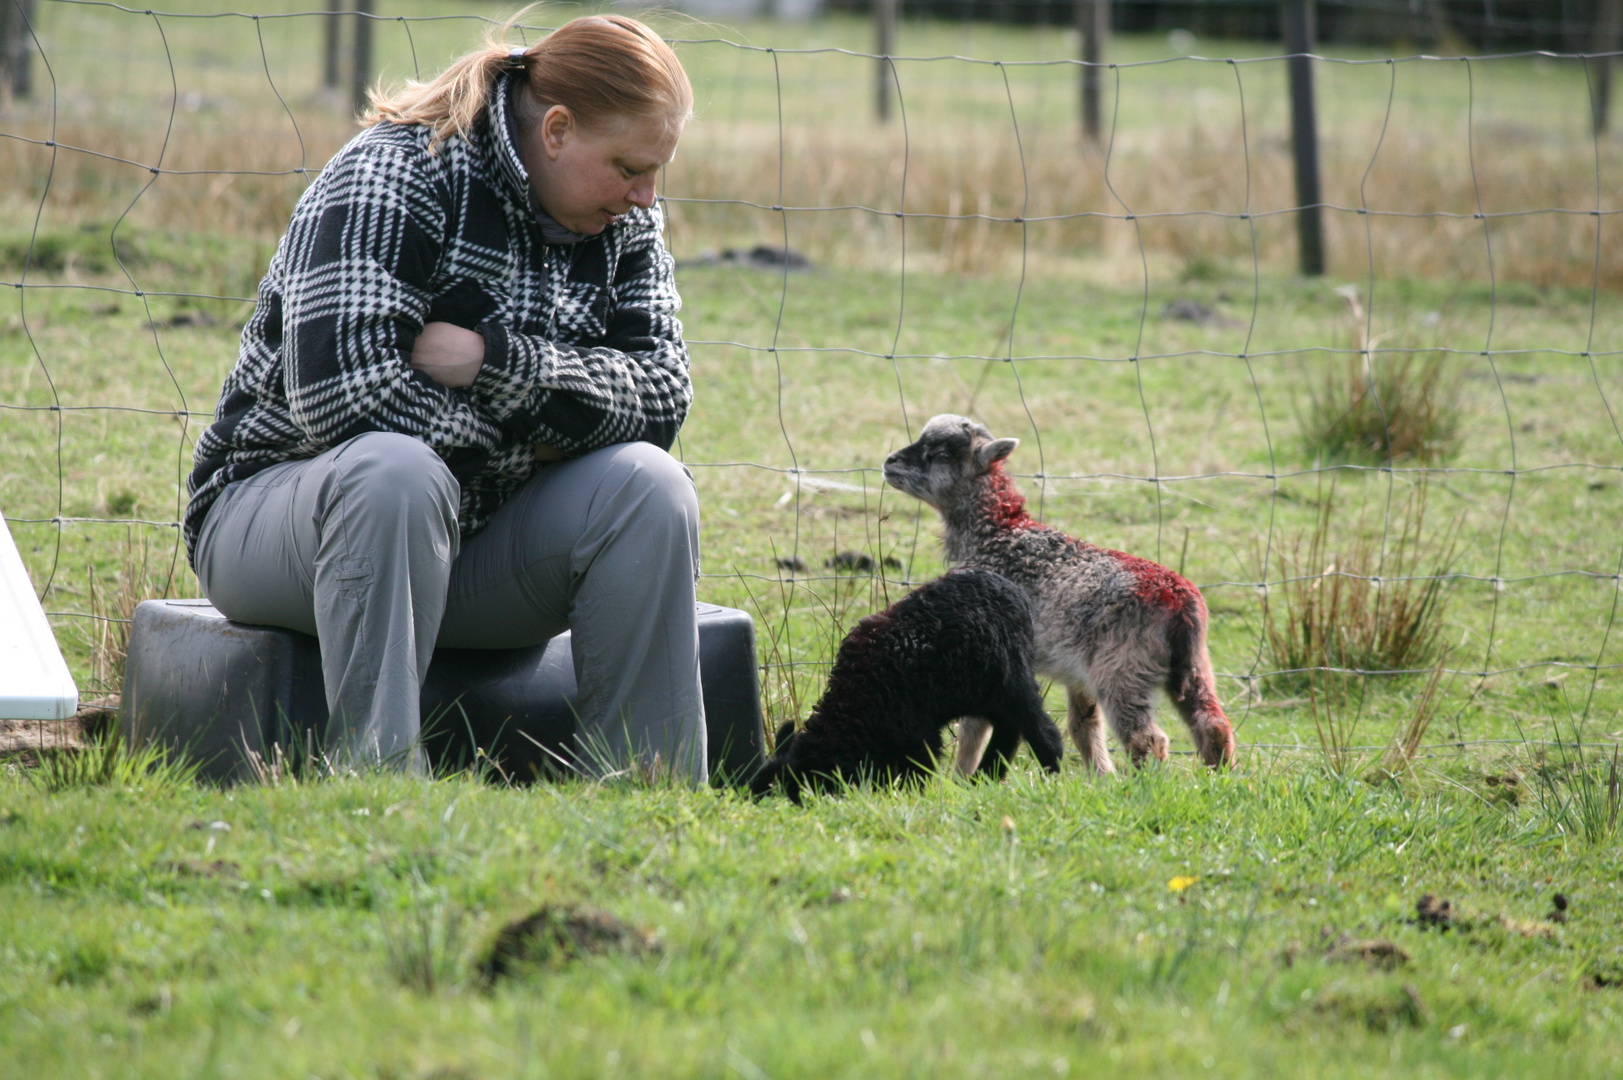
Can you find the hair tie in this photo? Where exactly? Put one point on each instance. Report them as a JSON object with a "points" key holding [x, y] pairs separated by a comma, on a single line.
{"points": [[517, 52]]}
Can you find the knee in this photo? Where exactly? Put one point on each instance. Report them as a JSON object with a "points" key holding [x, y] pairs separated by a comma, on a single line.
{"points": [[385, 472], [657, 487]]}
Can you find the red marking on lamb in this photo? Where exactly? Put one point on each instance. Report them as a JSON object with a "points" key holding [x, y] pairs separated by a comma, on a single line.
{"points": [[1112, 626], [1005, 506], [1156, 585]]}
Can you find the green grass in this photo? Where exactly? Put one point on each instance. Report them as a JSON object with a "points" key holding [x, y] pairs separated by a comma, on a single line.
{"points": [[959, 946], [1026, 929], [1092, 423]]}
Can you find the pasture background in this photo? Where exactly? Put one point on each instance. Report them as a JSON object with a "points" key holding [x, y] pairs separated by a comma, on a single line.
{"points": [[1168, 924]]}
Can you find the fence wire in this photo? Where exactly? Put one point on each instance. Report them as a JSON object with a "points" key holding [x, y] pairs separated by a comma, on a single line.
{"points": [[76, 117]]}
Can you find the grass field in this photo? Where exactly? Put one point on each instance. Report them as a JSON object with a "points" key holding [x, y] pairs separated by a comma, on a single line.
{"points": [[1258, 923]]}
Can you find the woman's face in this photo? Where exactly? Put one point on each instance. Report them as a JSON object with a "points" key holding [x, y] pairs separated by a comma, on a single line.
{"points": [[586, 178]]}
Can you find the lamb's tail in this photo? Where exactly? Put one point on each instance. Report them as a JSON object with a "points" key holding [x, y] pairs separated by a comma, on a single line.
{"points": [[1194, 688]]}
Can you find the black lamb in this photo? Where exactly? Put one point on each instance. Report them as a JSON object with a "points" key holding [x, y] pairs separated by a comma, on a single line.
{"points": [[958, 646]]}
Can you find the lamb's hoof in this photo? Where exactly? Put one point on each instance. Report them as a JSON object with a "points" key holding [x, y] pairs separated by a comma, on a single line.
{"points": [[1101, 765], [1147, 744], [1216, 744]]}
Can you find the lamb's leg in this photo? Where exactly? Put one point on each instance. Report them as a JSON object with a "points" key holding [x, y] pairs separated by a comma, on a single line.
{"points": [[1087, 730], [1131, 711], [1046, 743], [916, 768], [763, 780], [1023, 713], [973, 735], [1000, 750], [1208, 725], [1195, 695]]}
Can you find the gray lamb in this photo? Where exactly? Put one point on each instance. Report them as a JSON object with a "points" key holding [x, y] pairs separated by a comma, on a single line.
{"points": [[1111, 627]]}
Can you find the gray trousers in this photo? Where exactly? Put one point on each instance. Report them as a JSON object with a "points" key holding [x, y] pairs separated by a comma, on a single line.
{"points": [[360, 547]]}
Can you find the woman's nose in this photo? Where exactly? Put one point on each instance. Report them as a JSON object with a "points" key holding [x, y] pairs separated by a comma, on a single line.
{"points": [[642, 191]]}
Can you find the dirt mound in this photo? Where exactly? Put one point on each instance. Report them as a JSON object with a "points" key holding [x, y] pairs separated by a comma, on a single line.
{"points": [[557, 934]]}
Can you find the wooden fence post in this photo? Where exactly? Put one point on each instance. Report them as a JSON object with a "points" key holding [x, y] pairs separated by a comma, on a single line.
{"points": [[8, 13], [361, 76], [884, 13], [1093, 21], [333, 29], [17, 47], [1298, 27], [1608, 21]]}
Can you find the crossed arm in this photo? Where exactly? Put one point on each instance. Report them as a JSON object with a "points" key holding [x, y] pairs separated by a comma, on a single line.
{"points": [[452, 356], [354, 275]]}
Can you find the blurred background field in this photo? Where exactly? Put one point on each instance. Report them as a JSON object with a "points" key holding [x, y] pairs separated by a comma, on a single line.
{"points": [[1130, 310]]}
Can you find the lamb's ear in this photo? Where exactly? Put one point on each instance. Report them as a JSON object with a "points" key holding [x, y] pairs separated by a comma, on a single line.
{"points": [[996, 450], [784, 732]]}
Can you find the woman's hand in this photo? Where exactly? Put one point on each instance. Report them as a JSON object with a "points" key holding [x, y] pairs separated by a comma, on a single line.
{"points": [[452, 356], [448, 354]]}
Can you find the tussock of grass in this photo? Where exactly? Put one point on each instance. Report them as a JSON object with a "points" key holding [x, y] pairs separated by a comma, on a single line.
{"points": [[1577, 786], [1375, 410], [1348, 600], [144, 572], [107, 761], [1381, 408], [1399, 757], [425, 938]]}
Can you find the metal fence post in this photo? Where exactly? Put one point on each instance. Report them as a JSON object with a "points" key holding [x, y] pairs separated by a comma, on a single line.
{"points": [[1608, 21], [1298, 27], [361, 76], [333, 28], [884, 14], [1093, 21]]}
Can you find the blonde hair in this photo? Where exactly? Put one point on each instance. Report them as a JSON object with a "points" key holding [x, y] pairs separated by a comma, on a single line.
{"points": [[600, 67]]}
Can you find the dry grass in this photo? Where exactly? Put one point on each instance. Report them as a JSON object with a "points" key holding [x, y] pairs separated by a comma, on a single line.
{"points": [[1339, 706], [145, 572], [1349, 598], [1377, 408], [1406, 741], [978, 200], [970, 185]]}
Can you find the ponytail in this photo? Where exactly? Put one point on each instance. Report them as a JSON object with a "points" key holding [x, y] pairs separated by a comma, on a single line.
{"points": [[601, 67]]}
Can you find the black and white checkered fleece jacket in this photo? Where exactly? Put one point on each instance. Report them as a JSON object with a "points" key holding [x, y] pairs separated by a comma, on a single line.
{"points": [[582, 345]]}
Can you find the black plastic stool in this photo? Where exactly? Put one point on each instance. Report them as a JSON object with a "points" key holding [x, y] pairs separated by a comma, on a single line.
{"points": [[224, 692]]}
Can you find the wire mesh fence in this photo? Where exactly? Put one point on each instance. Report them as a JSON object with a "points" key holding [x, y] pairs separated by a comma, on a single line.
{"points": [[1408, 468]]}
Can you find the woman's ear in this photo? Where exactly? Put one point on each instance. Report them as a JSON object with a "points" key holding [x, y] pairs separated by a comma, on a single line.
{"points": [[557, 127]]}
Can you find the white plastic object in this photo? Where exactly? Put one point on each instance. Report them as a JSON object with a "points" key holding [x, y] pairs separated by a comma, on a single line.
{"points": [[34, 680]]}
